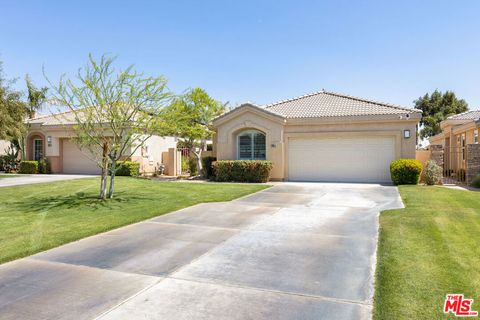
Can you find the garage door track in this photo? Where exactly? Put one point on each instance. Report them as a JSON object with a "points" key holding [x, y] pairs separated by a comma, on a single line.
{"points": [[294, 251]]}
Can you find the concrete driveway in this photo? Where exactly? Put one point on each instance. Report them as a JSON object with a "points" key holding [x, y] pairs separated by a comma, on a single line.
{"points": [[39, 178], [294, 251]]}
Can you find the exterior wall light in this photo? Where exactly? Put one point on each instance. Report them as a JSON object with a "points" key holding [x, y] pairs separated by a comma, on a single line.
{"points": [[406, 134], [49, 141]]}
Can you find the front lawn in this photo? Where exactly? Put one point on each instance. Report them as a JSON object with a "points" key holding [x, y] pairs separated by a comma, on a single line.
{"points": [[428, 249], [8, 175], [37, 217]]}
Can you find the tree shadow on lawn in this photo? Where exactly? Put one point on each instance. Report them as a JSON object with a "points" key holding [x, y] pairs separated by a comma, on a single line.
{"points": [[78, 200]]}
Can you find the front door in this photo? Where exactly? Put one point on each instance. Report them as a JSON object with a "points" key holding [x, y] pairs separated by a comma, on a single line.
{"points": [[37, 149]]}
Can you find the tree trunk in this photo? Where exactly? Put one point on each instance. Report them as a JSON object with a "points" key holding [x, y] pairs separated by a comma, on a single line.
{"points": [[199, 162], [103, 181], [113, 171], [103, 184]]}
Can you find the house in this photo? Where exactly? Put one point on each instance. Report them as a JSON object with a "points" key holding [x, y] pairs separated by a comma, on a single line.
{"points": [[458, 133], [323, 136], [51, 137]]}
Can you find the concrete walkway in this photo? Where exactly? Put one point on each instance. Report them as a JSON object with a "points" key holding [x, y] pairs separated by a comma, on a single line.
{"points": [[39, 178], [294, 251]]}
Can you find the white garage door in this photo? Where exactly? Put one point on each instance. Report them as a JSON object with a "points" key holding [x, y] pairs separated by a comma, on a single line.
{"points": [[76, 161], [359, 159]]}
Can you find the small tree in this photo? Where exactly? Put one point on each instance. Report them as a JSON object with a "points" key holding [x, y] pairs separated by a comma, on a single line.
{"points": [[190, 117], [12, 110], [114, 113], [35, 99], [436, 108]]}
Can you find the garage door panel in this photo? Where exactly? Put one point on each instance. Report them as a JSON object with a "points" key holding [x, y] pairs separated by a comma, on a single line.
{"points": [[359, 159], [76, 161]]}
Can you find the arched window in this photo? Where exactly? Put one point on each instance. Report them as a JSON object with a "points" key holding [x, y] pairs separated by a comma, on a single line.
{"points": [[251, 145]]}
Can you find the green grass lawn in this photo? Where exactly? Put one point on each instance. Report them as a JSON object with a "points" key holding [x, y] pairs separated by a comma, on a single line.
{"points": [[428, 249], [37, 217], [8, 175]]}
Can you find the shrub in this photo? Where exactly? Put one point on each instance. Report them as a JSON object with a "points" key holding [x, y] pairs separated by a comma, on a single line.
{"points": [[207, 166], [405, 171], [185, 164], [28, 167], [128, 168], [476, 181], [192, 166], [242, 170], [433, 173], [44, 166]]}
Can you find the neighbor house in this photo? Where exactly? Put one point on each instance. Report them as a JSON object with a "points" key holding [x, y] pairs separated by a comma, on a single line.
{"points": [[323, 136], [458, 131], [51, 136]]}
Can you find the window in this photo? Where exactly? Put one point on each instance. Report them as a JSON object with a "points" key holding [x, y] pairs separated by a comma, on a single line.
{"points": [[475, 136], [251, 146], [37, 149], [463, 146]]}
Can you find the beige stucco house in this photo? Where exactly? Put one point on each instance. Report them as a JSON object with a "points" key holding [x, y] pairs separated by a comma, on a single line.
{"points": [[458, 132], [323, 136], [51, 137]]}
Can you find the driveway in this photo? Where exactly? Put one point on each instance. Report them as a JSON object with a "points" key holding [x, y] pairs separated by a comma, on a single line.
{"points": [[39, 178], [294, 251]]}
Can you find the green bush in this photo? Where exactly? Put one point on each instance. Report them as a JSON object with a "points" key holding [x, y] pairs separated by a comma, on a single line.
{"points": [[433, 173], [128, 168], [405, 171], [192, 166], [207, 166], [242, 170], [44, 166], [28, 167], [476, 181]]}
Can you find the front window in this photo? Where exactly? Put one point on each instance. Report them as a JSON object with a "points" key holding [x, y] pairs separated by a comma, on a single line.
{"points": [[37, 149], [475, 136], [251, 146]]}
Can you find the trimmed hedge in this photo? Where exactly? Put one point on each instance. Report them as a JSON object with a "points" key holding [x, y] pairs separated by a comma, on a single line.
{"points": [[207, 166], [44, 166], [405, 171], [242, 170], [28, 167], [128, 168]]}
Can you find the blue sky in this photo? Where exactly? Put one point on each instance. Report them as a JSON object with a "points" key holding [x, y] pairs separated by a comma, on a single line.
{"points": [[259, 51]]}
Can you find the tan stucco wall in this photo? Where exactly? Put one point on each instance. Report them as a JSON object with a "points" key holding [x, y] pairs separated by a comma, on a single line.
{"points": [[278, 134], [226, 137]]}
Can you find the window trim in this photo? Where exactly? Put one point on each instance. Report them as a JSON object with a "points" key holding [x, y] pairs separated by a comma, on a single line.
{"points": [[252, 142]]}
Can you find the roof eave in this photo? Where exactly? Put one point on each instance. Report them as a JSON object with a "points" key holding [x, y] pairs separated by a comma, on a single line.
{"points": [[243, 108]]}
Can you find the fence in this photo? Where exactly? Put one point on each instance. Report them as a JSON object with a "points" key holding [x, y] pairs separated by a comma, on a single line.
{"points": [[460, 163]]}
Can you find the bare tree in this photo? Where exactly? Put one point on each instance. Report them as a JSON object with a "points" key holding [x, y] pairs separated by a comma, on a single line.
{"points": [[113, 113]]}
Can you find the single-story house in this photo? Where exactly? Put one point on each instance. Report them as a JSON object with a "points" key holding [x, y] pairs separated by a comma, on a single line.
{"points": [[51, 137], [458, 131], [323, 136]]}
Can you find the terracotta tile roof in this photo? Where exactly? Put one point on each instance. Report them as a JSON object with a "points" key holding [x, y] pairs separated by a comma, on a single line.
{"points": [[329, 104], [469, 115], [62, 118]]}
